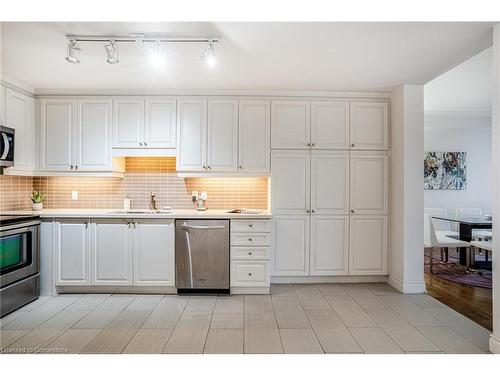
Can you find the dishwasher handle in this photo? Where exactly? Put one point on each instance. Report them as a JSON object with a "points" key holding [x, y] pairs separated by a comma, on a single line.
{"points": [[206, 227]]}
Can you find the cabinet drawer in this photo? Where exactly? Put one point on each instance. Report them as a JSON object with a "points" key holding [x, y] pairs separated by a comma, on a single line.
{"points": [[251, 239], [249, 273], [250, 226], [250, 252]]}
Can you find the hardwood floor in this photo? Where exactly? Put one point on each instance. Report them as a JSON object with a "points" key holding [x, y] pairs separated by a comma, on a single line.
{"points": [[473, 302], [312, 318]]}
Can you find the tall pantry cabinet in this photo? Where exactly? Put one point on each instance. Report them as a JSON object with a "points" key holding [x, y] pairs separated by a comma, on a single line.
{"points": [[329, 187]]}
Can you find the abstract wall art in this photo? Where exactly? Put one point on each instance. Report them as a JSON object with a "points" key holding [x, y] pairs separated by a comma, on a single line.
{"points": [[445, 170]]}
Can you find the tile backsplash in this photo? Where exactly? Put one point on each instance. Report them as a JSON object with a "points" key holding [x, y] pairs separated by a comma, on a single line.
{"points": [[142, 176]]}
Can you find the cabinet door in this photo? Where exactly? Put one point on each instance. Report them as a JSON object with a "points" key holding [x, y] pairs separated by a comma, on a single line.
{"points": [[222, 135], [290, 256], [154, 253], [290, 182], [160, 128], [112, 253], [329, 244], [330, 124], [20, 115], [369, 183], [330, 182], [254, 136], [57, 134], [128, 123], [290, 124], [369, 125], [71, 250], [368, 245], [192, 135], [93, 135]]}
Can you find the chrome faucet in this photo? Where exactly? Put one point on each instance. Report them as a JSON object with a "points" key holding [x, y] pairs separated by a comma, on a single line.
{"points": [[152, 202]]}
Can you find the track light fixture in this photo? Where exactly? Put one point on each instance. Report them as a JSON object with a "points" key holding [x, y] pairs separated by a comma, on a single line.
{"points": [[73, 52], [112, 51], [209, 55], [157, 58]]}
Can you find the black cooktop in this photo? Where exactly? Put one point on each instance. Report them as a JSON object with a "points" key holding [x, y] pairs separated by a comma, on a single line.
{"points": [[14, 219]]}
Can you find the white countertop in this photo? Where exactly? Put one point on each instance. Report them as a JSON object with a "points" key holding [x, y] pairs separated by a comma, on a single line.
{"points": [[117, 213]]}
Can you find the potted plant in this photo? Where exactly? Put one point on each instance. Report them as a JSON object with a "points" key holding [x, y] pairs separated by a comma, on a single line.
{"points": [[37, 197]]}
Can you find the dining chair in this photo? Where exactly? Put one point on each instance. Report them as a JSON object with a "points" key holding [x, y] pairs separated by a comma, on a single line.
{"points": [[482, 234], [441, 226], [486, 246], [432, 240]]}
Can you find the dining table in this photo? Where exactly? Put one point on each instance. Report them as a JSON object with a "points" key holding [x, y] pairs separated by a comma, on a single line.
{"points": [[465, 227]]}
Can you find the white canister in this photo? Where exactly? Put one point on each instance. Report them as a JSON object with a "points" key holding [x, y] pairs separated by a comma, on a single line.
{"points": [[126, 204]]}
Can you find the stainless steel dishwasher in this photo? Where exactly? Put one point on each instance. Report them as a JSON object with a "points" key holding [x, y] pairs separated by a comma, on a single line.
{"points": [[202, 255]]}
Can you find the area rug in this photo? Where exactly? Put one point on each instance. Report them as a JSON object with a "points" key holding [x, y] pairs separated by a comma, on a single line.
{"points": [[453, 271]]}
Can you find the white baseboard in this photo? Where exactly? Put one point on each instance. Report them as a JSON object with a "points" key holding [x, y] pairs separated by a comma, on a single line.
{"points": [[494, 344], [116, 289], [406, 288], [328, 279]]}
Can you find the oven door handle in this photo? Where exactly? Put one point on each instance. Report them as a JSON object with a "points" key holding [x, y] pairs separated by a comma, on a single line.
{"points": [[203, 227]]}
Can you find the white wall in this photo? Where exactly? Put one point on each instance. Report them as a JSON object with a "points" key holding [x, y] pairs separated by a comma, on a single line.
{"points": [[471, 135]]}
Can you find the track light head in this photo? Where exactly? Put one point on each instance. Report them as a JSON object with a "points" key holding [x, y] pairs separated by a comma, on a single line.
{"points": [[112, 51], [158, 61], [209, 55], [73, 52]]}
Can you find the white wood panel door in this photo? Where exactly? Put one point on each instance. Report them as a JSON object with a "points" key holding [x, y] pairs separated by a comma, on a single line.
{"points": [[93, 135], [330, 182], [222, 146], [160, 127], [290, 182], [57, 134], [369, 125], [128, 122], [290, 124], [290, 255], [368, 245], [20, 115], [329, 245], [71, 253], [191, 135], [254, 154], [154, 263], [369, 188], [330, 124], [112, 253]]}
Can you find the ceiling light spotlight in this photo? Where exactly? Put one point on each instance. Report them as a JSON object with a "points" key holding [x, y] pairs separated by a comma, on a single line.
{"points": [[112, 51], [157, 58], [209, 55], [73, 52]]}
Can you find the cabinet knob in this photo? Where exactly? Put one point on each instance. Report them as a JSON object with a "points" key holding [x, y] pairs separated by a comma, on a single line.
{"points": [[308, 145], [240, 167], [352, 145], [71, 167], [250, 253], [145, 144], [76, 166], [313, 144], [307, 211], [250, 225], [204, 167], [140, 144], [249, 274], [209, 167], [250, 239], [352, 211], [312, 211]]}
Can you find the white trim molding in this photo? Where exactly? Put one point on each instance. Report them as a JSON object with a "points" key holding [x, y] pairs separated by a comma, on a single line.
{"points": [[494, 344], [406, 288], [328, 279]]}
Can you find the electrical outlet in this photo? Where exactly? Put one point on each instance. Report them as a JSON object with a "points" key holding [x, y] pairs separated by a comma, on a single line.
{"points": [[74, 195]]}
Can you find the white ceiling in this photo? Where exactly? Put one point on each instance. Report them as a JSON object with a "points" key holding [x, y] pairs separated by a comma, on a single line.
{"points": [[253, 56], [467, 88]]}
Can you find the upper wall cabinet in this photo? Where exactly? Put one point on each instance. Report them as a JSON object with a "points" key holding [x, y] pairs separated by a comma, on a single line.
{"points": [[222, 142], [329, 124], [254, 136], [290, 124], [369, 125], [128, 123], [160, 126], [19, 113]]}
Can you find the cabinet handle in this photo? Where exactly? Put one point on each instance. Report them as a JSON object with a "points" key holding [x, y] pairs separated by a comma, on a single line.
{"points": [[145, 144], [204, 167], [71, 167], [86, 224], [76, 167], [140, 143], [209, 167], [129, 223]]}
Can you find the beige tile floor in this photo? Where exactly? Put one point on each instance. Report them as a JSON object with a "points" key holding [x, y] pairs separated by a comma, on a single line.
{"points": [[299, 318]]}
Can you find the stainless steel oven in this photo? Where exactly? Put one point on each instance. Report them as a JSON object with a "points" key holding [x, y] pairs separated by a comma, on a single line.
{"points": [[6, 146], [19, 261]]}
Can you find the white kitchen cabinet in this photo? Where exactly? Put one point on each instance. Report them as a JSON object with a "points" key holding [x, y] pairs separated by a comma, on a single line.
{"points": [[58, 117], [93, 135], [330, 124], [71, 253], [330, 182], [290, 124], [254, 152], [369, 183], [369, 125], [154, 252], [249, 273], [19, 113], [128, 122], [192, 135], [112, 253], [222, 135], [329, 245], [2, 104], [290, 255], [160, 124], [290, 182], [368, 245]]}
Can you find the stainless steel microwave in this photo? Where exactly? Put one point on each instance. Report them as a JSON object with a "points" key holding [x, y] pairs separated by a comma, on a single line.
{"points": [[7, 146]]}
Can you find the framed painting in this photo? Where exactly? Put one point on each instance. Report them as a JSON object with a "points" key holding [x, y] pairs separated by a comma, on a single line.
{"points": [[445, 170]]}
